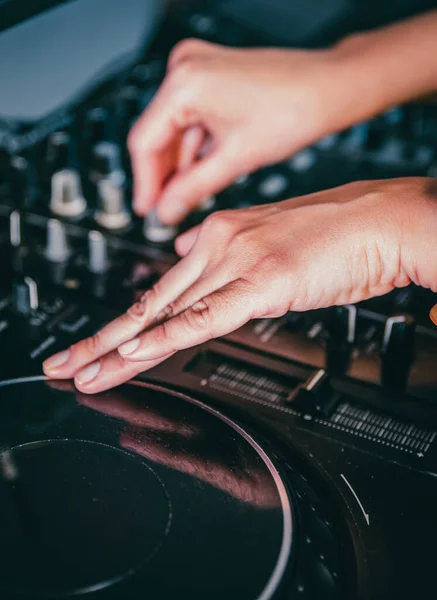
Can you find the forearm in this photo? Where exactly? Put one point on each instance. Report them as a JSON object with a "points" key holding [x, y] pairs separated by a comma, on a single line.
{"points": [[382, 68]]}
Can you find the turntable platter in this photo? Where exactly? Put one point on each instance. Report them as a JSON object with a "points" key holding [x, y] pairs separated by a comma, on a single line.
{"points": [[134, 493]]}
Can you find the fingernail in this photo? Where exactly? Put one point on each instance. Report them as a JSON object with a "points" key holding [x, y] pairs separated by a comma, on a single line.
{"points": [[56, 360], [129, 347], [433, 314], [89, 373], [171, 212]]}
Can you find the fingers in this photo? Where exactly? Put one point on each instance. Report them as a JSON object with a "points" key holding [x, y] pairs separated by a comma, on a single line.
{"points": [[67, 363], [110, 371], [192, 141], [215, 315], [190, 48], [184, 242], [187, 189]]}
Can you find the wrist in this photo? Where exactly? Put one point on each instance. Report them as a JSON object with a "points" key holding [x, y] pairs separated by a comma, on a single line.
{"points": [[418, 200]]}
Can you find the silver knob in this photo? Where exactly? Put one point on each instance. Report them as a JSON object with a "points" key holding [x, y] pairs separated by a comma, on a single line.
{"points": [[57, 249], [66, 198], [112, 213], [157, 232], [98, 262], [207, 204]]}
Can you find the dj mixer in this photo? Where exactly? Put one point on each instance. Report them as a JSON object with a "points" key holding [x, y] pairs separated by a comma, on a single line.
{"points": [[294, 458]]}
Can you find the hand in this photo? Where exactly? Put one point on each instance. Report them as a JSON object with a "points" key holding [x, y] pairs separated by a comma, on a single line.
{"points": [[223, 112], [334, 247]]}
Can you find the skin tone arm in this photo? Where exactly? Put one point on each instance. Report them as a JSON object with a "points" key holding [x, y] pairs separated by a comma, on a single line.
{"points": [[333, 247]]}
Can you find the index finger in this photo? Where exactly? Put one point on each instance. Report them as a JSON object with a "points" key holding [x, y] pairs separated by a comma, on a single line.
{"points": [[142, 314]]}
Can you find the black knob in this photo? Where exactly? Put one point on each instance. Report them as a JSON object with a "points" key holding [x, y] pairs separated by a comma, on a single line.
{"points": [[397, 352], [96, 125], [22, 181], [127, 105], [25, 296], [59, 154], [105, 160], [341, 332], [315, 397]]}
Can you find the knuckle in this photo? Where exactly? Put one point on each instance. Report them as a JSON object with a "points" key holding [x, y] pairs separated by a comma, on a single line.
{"points": [[198, 316], [92, 344], [187, 71], [135, 139], [162, 337], [184, 48], [219, 223]]}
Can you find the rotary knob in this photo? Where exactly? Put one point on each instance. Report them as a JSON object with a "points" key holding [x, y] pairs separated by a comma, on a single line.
{"points": [[105, 160], [397, 352], [155, 231], [57, 249], [112, 212], [25, 299], [98, 262], [341, 333], [66, 199], [96, 125]]}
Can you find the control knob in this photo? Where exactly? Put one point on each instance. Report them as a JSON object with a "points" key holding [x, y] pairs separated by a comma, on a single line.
{"points": [[57, 249], [112, 212], [66, 198], [397, 352], [98, 262], [341, 330], [25, 298], [155, 231]]}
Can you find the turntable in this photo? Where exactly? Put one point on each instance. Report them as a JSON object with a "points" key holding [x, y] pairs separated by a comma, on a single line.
{"points": [[145, 493], [142, 492]]}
